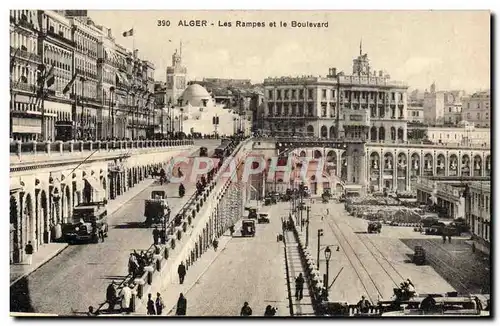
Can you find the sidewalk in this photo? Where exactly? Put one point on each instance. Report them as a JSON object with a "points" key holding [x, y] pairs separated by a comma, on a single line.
{"points": [[194, 273], [43, 255], [303, 307]]}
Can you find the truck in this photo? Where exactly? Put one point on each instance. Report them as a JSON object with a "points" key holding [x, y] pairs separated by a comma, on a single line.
{"points": [[87, 220], [156, 209]]}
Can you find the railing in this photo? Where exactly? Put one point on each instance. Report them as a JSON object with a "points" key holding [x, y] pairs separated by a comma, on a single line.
{"points": [[23, 148]]}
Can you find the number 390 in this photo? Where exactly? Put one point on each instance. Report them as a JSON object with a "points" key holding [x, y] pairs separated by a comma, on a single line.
{"points": [[163, 22]]}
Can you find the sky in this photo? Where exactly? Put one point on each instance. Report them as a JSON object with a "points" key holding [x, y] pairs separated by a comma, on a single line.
{"points": [[451, 48]]}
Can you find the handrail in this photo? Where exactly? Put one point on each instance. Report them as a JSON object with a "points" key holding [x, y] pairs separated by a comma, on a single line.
{"points": [[287, 269], [33, 148]]}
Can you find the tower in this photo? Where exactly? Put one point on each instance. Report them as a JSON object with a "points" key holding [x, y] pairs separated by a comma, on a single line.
{"points": [[176, 78], [361, 65]]}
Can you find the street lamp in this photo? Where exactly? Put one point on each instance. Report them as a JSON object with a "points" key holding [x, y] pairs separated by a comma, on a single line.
{"points": [[328, 255], [320, 234]]}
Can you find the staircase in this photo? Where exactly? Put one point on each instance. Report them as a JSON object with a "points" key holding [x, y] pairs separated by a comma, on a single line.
{"points": [[294, 267]]}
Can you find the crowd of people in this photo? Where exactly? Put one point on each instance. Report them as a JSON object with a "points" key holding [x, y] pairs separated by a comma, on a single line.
{"points": [[138, 261]]}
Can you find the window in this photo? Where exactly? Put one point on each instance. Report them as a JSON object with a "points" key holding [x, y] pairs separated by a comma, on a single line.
{"points": [[393, 96], [468, 115], [278, 93], [324, 93], [310, 93], [449, 109], [478, 115], [333, 93]]}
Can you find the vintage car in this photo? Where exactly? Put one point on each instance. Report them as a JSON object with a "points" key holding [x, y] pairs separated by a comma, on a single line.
{"points": [[87, 220], [248, 228], [374, 227], [263, 217], [156, 209]]}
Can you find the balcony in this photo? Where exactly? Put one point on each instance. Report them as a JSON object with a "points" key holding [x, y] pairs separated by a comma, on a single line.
{"points": [[22, 87], [357, 118], [32, 153], [24, 54]]}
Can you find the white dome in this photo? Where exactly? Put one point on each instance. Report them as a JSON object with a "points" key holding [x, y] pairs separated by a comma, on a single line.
{"points": [[195, 95]]}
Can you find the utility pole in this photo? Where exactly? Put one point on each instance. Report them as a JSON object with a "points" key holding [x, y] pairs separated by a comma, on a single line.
{"points": [[307, 227], [320, 234]]}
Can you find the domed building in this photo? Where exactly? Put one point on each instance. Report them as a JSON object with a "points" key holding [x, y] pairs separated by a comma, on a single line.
{"points": [[196, 95]]}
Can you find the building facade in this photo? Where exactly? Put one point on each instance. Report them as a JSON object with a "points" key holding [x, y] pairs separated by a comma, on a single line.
{"points": [[366, 105], [416, 112], [89, 81], [466, 134], [479, 211], [442, 107], [476, 109]]}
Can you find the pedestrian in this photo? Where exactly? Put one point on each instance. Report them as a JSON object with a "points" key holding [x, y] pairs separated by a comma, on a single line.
{"points": [[159, 304], [449, 238], [101, 234], [91, 312], [215, 243], [181, 270], [270, 311], [181, 306], [126, 296], [111, 297], [327, 211], [133, 265], [28, 250], [444, 238], [151, 305], [299, 287], [246, 310], [322, 217], [364, 305], [156, 235]]}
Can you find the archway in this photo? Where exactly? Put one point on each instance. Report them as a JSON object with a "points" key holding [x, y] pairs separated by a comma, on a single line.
{"points": [[428, 165], [453, 165], [373, 134], [401, 172], [310, 131], [414, 169], [393, 133], [317, 154], [374, 172], [381, 134], [440, 165], [324, 132], [14, 227], [302, 154], [104, 184], [465, 165], [343, 166], [87, 192], [388, 174], [478, 166], [333, 132], [75, 197], [401, 134], [331, 158]]}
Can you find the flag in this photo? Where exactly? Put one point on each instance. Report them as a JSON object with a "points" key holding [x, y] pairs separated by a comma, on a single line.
{"points": [[70, 84], [128, 33], [117, 79]]}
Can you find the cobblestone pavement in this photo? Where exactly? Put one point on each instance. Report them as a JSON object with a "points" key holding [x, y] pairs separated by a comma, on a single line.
{"points": [[78, 277], [248, 269], [369, 264]]}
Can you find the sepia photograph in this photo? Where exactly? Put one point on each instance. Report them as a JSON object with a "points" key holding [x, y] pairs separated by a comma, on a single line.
{"points": [[250, 163]]}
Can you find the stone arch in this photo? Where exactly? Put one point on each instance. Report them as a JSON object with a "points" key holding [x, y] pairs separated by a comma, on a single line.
{"points": [[414, 166], [324, 132], [428, 164], [393, 133], [66, 204], [310, 131], [478, 165], [333, 132], [388, 170], [453, 165], [381, 134], [14, 228], [317, 154], [373, 134], [374, 172], [465, 165], [402, 166], [401, 134], [441, 165], [75, 198], [331, 157], [343, 166], [87, 192], [302, 154], [44, 217]]}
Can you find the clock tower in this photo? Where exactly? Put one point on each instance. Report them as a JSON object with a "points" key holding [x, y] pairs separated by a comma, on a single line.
{"points": [[176, 78]]}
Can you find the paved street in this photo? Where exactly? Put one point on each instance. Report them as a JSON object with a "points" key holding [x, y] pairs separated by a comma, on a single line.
{"points": [[371, 264], [78, 277], [248, 269]]}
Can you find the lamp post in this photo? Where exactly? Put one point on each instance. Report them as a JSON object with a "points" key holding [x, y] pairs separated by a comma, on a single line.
{"points": [[307, 226], [328, 255], [320, 234]]}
